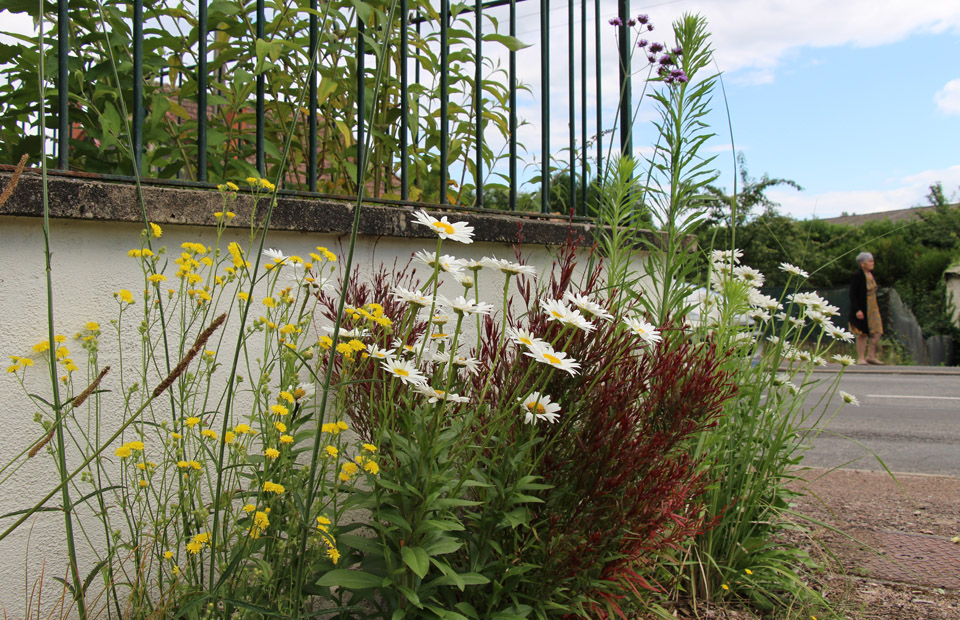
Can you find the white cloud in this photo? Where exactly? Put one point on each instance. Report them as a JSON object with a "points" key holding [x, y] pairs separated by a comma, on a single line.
{"points": [[948, 97], [909, 191]]}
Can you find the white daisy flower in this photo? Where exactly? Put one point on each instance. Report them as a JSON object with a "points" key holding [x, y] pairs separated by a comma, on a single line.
{"points": [[838, 333], [507, 267], [545, 354], [400, 346], [274, 255], [472, 264], [404, 370], [304, 391], [844, 360], [557, 311], [524, 337], [587, 306], [647, 332], [538, 407], [794, 270], [411, 297], [440, 319], [447, 263], [759, 315], [759, 300], [749, 275], [462, 305], [849, 399], [357, 332], [379, 353], [470, 364], [460, 232], [726, 256], [436, 395], [796, 321], [463, 279]]}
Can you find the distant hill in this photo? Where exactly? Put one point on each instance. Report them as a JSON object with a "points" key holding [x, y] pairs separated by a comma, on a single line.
{"points": [[894, 216]]}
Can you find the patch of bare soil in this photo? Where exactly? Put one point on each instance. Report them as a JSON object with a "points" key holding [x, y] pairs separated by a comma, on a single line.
{"points": [[883, 547]]}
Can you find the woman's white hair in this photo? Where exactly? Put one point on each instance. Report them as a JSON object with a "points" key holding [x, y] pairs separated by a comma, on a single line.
{"points": [[863, 257]]}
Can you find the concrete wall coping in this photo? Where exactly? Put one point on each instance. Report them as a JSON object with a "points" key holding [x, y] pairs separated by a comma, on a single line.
{"points": [[74, 196]]}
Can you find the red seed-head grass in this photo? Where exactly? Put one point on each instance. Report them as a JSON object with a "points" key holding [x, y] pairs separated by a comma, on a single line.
{"points": [[77, 402]]}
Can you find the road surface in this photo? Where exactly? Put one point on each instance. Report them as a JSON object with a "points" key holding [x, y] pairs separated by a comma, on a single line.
{"points": [[910, 421]]}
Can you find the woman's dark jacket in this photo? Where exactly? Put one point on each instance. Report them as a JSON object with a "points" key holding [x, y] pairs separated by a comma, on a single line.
{"points": [[858, 301]]}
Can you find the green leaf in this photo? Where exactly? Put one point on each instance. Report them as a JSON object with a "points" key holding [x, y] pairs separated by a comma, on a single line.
{"points": [[352, 579], [364, 10], [511, 43], [417, 559], [263, 611]]}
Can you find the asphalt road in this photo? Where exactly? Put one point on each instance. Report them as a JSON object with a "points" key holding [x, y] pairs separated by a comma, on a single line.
{"points": [[910, 421]]}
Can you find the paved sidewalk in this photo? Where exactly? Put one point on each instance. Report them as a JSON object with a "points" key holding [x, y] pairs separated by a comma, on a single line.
{"points": [[890, 370]]}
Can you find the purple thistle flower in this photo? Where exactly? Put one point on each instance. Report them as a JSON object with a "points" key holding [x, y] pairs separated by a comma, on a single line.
{"points": [[643, 18], [677, 51], [651, 58], [631, 22], [666, 60], [642, 43], [682, 78], [656, 47], [676, 73], [668, 80], [649, 27], [616, 21]]}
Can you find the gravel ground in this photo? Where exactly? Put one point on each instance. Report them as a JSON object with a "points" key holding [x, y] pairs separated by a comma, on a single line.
{"points": [[884, 547]]}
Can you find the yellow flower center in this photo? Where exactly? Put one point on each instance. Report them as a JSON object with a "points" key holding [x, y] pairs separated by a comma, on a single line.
{"points": [[556, 314], [552, 359], [526, 341], [444, 227], [538, 407], [401, 372]]}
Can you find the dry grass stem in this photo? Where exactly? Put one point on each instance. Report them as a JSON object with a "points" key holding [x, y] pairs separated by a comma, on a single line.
{"points": [[192, 353], [14, 180], [79, 400]]}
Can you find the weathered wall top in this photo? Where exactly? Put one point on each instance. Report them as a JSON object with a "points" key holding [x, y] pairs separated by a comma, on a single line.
{"points": [[101, 200]]}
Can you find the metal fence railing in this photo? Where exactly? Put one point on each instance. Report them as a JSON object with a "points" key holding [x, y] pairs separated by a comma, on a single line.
{"points": [[207, 95]]}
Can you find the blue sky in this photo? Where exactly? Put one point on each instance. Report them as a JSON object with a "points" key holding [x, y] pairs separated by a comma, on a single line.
{"points": [[856, 100]]}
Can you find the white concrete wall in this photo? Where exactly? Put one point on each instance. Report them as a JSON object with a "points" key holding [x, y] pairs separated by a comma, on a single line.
{"points": [[90, 262]]}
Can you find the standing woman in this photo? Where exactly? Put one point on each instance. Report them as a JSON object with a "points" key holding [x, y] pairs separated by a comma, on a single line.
{"points": [[865, 319]]}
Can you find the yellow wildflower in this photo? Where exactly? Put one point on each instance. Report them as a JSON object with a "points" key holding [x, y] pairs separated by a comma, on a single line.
{"points": [[748, 571], [249, 508], [143, 484], [286, 439], [270, 302], [333, 554], [41, 347], [344, 476], [273, 487], [176, 435], [124, 295], [135, 445], [280, 426], [229, 437], [342, 425], [271, 453], [279, 410], [209, 434], [168, 555], [287, 396], [195, 465], [327, 254], [369, 447], [325, 342], [351, 468], [371, 467], [175, 569], [243, 296], [192, 421], [93, 326], [157, 278], [332, 450], [156, 230], [123, 451], [242, 429], [183, 464]]}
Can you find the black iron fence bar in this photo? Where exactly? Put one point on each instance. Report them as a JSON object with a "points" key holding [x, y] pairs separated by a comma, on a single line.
{"points": [[404, 102], [361, 96], [138, 86], [63, 72], [599, 96], [444, 95], [478, 98], [408, 134], [513, 108], [626, 120], [312, 110], [261, 92], [583, 107], [571, 98], [202, 93], [545, 106]]}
